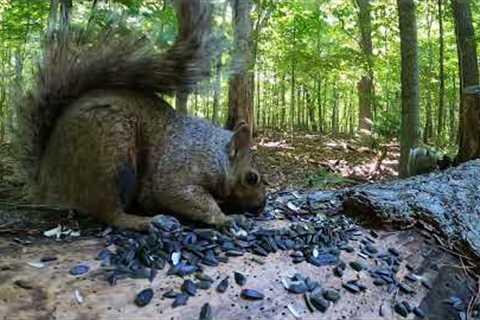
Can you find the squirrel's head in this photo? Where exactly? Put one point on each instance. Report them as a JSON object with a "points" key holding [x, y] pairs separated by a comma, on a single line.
{"points": [[245, 184]]}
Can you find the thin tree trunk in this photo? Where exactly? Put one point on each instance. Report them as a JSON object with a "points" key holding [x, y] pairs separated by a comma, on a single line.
{"points": [[441, 92], [240, 95], [319, 105], [428, 132], [65, 9], [409, 133], [335, 111], [181, 99], [299, 107], [217, 88], [53, 15], [469, 76], [258, 107], [324, 104], [453, 102], [365, 85], [292, 89], [284, 102]]}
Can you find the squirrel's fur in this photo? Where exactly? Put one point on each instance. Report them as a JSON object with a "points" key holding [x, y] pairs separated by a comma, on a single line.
{"points": [[97, 137]]}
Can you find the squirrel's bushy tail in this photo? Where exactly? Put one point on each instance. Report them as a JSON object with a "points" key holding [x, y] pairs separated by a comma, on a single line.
{"points": [[72, 66]]}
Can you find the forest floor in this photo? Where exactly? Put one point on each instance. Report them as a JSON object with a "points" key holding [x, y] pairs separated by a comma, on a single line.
{"points": [[315, 161]]}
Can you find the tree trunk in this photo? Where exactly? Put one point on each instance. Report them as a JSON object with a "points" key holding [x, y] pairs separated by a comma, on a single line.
{"points": [[451, 118], [428, 133], [441, 92], [240, 95], [365, 85], [299, 107], [258, 107], [409, 135], [292, 88], [181, 99], [470, 147], [53, 15], [335, 111], [319, 105], [217, 87], [365, 112], [428, 130], [311, 111], [467, 56], [284, 102], [65, 9]]}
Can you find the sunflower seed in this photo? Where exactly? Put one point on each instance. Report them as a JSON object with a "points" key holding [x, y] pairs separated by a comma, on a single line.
{"points": [[308, 302], [170, 294], [240, 279], [48, 259], [204, 285], [358, 266], [251, 294], [353, 288], [206, 312], [331, 295], [144, 297], [401, 309], [189, 287], [223, 285], [419, 312], [79, 270], [180, 300], [319, 303], [203, 277]]}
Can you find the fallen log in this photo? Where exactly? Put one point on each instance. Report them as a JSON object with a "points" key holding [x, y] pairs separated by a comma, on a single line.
{"points": [[446, 203]]}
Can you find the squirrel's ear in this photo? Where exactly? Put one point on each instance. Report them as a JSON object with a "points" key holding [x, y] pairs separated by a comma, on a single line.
{"points": [[240, 140]]}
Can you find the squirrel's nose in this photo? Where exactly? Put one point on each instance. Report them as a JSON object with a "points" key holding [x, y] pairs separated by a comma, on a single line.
{"points": [[258, 210]]}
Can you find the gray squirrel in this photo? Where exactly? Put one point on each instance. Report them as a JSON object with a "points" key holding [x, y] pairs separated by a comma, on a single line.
{"points": [[423, 160]]}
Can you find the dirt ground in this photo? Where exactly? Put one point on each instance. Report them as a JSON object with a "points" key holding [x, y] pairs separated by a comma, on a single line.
{"points": [[28, 292]]}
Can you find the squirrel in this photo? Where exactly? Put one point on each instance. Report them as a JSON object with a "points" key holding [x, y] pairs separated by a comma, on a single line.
{"points": [[97, 137], [423, 160]]}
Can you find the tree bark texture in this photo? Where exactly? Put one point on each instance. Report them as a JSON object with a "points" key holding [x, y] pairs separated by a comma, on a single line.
{"points": [[365, 85], [181, 99], [469, 76], [446, 203], [240, 95], [409, 132]]}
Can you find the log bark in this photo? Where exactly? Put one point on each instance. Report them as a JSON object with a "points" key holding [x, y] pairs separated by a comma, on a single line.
{"points": [[446, 203]]}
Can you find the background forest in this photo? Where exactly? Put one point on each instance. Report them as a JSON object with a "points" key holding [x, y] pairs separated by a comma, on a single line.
{"points": [[328, 67]]}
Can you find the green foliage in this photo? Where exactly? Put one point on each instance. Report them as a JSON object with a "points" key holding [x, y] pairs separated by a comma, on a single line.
{"points": [[313, 45]]}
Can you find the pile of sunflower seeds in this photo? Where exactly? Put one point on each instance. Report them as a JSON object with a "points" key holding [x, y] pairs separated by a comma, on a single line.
{"points": [[186, 250]]}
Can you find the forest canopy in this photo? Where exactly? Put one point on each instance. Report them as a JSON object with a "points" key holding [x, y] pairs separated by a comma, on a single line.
{"points": [[309, 62]]}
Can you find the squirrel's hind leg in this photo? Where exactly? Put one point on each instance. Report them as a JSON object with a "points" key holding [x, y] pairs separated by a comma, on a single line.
{"points": [[122, 220]]}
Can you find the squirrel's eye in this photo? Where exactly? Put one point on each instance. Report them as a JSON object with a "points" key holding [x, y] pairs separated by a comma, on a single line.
{"points": [[252, 178]]}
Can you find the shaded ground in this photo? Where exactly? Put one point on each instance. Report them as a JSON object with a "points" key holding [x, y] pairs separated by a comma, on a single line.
{"points": [[317, 161], [49, 292]]}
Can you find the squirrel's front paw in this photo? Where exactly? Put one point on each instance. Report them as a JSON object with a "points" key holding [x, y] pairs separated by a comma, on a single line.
{"points": [[236, 224], [164, 223]]}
